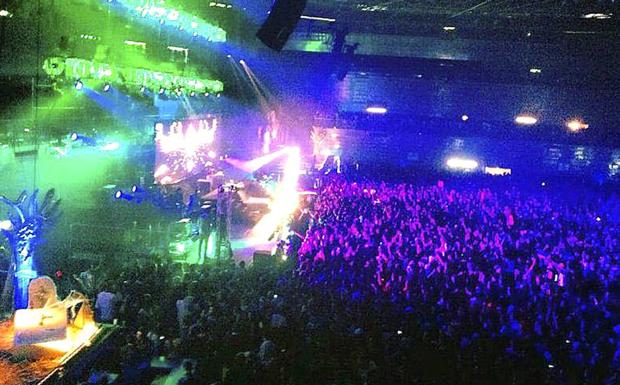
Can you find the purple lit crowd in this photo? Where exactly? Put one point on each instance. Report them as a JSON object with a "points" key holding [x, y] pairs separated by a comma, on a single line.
{"points": [[528, 270]]}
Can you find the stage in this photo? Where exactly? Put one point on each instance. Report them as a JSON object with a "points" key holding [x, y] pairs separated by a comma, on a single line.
{"points": [[61, 362]]}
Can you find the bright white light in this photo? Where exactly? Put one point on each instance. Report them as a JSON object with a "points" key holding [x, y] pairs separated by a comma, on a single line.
{"points": [[318, 18], [400, 332], [376, 110], [135, 43], [178, 49], [190, 165], [212, 154], [79, 85], [497, 171], [449, 28], [526, 120], [241, 61], [462, 164], [197, 135], [5, 13], [111, 146], [535, 70], [6, 225], [598, 16], [106, 87], [285, 200], [576, 125], [464, 118], [598, 219]]}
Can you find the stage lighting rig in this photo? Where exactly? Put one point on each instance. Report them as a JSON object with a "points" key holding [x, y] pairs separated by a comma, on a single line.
{"points": [[124, 196]]}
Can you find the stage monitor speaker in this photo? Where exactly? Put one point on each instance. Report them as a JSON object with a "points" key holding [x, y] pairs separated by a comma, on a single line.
{"points": [[280, 23], [263, 258]]}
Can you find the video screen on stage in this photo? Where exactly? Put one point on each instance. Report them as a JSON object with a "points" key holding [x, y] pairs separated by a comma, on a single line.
{"points": [[184, 149]]}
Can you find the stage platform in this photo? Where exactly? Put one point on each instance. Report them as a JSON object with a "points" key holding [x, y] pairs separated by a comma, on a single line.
{"points": [[56, 363]]}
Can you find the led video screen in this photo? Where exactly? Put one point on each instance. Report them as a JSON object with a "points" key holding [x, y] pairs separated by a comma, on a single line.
{"points": [[184, 149]]}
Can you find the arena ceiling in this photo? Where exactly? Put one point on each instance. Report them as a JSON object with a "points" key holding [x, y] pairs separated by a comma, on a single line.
{"points": [[486, 18], [453, 8]]}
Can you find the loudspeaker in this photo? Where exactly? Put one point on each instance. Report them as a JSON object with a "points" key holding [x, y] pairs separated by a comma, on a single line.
{"points": [[280, 23], [263, 258]]}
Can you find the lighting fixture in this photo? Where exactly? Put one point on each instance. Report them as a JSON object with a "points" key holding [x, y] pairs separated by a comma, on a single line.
{"points": [[576, 125], [526, 120], [376, 110]]}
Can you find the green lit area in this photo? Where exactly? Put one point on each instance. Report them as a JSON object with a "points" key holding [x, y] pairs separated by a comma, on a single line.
{"points": [[82, 69], [115, 39], [163, 13], [310, 42], [93, 69]]}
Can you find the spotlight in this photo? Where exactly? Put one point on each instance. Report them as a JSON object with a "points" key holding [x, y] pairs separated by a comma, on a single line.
{"points": [[576, 125], [462, 164], [106, 87], [6, 225], [79, 85], [84, 140], [376, 110], [242, 61], [137, 189], [229, 56], [218, 95], [526, 120], [121, 195], [207, 94], [464, 118]]}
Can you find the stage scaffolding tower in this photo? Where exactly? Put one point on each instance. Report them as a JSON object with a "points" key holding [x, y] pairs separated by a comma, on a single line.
{"points": [[223, 249]]}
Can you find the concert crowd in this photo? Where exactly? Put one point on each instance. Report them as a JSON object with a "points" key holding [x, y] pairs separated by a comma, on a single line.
{"points": [[395, 283]]}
